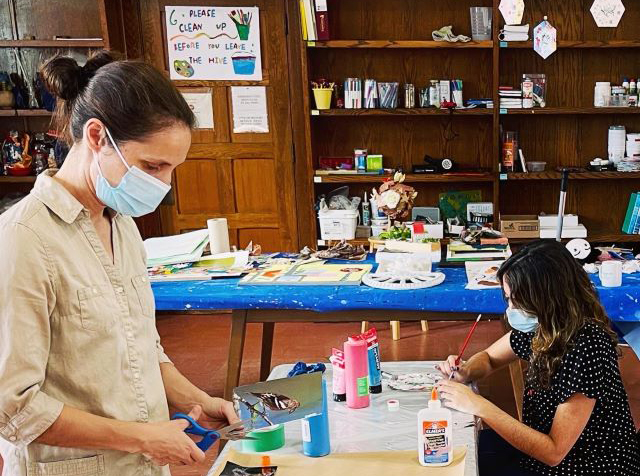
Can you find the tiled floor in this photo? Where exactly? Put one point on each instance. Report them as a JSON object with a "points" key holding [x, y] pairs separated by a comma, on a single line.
{"points": [[198, 347]]}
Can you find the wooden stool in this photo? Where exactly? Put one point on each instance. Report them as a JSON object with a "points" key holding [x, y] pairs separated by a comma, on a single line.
{"points": [[395, 328]]}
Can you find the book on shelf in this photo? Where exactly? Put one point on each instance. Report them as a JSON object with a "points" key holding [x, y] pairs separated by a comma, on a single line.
{"points": [[322, 20], [310, 20]]}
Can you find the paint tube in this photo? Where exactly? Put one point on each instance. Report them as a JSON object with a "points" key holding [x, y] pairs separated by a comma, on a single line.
{"points": [[339, 388], [373, 351]]}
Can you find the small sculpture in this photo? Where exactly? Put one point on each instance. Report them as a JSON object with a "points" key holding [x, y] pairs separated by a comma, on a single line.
{"points": [[395, 198]]}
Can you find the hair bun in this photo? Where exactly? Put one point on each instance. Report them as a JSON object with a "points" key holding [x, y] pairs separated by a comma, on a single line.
{"points": [[65, 78]]}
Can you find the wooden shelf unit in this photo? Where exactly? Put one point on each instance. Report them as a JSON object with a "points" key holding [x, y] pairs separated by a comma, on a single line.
{"points": [[409, 178], [391, 46], [71, 43]]}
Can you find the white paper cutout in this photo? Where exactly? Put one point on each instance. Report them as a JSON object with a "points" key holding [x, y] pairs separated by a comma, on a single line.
{"points": [[545, 39], [607, 13], [512, 11]]}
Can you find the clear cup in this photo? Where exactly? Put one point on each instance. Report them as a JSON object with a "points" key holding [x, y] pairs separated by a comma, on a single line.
{"points": [[481, 23]]}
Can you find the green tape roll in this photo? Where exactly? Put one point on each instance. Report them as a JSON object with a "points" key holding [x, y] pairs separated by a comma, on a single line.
{"points": [[266, 439]]}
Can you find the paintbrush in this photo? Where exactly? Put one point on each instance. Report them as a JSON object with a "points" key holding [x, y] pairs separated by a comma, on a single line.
{"points": [[464, 346]]}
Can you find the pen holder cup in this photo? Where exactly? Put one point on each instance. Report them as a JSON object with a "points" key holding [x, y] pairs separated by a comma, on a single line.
{"points": [[481, 23], [388, 95], [322, 97]]}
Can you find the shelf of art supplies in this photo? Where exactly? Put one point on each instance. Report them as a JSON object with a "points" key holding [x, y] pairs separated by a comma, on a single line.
{"points": [[558, 111], [397, 44], [576, 44], [586, 175], [409, 178], [416, 111], [62, 43]]}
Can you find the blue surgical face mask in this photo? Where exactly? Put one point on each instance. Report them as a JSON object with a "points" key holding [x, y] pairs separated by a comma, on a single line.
{"points": [[521, 320], [137, 194]]}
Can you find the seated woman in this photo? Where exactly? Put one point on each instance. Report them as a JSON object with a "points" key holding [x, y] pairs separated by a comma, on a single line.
{"points": [[576, 415]]}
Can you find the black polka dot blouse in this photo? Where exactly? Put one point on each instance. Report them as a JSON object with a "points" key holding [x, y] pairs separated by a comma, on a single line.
{"points": [[608, 444]]}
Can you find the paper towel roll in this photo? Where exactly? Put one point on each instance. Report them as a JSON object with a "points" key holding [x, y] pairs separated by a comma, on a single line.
{"points": [[218, 235]]}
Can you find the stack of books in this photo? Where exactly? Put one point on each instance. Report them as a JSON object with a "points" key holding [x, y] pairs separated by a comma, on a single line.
{"points": [[510, 98], [459, 252], [315, 20], [571, 228], [515, 33]]}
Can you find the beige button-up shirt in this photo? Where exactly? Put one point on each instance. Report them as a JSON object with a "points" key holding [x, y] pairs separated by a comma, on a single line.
{"points": [[77, 329]]}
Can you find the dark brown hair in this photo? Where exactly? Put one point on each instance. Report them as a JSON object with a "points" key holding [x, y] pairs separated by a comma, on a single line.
{"points": [[546, 280], [131, 98]]}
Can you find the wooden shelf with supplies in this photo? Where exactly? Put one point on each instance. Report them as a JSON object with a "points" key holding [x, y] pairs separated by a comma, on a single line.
{"points": [[410, 178], [577, 44], [416, 111], [586, 175], [571, 111], [70, 43], [17, 179], [398, 44]]}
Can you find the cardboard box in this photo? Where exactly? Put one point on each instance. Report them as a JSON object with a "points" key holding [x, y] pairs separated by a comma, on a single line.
{"points": [[520, 226], [550, 221], [421, 230]]}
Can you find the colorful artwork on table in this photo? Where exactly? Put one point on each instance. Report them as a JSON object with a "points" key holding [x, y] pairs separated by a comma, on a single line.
{"points": [[213, 43], [279, 401], [607, 13], [545, 39], [512, 11], [314, 273]]}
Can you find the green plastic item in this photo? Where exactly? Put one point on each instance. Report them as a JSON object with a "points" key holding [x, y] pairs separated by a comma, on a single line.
{"points": [[266, 439]]}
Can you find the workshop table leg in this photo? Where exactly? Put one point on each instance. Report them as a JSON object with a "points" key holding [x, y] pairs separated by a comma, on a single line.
{"points": [[395, 330], [267, 347], [364, 327], [425, 326], [236, 347]]}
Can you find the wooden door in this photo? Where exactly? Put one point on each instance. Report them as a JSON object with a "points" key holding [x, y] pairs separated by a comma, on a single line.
{"points": [[247, 178]]}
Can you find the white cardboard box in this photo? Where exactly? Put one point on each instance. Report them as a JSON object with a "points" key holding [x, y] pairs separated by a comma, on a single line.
{"points": [[550, 221]]}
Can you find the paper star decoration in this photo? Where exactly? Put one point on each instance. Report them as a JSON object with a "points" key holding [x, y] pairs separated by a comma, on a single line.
{"points": [[607, 13], [545, 39], [512, 11]]}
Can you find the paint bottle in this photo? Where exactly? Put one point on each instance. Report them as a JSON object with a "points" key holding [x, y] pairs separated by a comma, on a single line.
{"points": [[356, 374], [435, 426], [366, 211], [373, 354], [337, 362], [315, 430]]}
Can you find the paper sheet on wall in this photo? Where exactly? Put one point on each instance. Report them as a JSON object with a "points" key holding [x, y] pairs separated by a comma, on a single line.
{"points": [[201, 105], [249, 109], [214, 43]]}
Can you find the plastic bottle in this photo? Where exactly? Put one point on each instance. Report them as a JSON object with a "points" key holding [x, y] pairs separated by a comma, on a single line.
{"points": [[356, 374], [434, 93], [625, 85], [315, 430], [435, 427], [366, 211]]}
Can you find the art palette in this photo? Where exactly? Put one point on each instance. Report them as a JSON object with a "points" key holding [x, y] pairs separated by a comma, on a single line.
{"points": [[415, 382]]}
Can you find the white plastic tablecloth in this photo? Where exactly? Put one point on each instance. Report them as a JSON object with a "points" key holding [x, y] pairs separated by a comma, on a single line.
{"points": [[375, 428]]}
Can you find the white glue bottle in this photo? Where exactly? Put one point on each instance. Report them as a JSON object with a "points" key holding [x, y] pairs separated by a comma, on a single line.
{"points": [[435, 426]]}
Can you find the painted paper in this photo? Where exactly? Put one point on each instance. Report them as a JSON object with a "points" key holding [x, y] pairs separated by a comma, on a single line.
{"points": [[512, 11], [545, 39], [607, 13], [214, 43]]}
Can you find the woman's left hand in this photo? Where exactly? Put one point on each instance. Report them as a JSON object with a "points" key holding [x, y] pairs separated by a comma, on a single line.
{"points": [[218, 413], [460, 397]]}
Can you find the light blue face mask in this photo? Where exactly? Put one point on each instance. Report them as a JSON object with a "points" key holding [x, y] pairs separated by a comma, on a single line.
{"points": [[137, 194], [521, 320]]}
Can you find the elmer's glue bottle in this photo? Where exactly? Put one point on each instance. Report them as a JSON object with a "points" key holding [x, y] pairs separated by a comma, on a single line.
{"points": [[435, 426]]}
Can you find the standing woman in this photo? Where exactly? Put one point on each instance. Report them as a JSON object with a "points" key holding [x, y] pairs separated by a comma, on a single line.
{"points": [[576, 415], [84, 380]]}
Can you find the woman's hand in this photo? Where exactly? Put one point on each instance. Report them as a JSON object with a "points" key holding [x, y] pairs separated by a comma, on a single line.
{"points": [[167, 443], [460, 397], [460, 373], [218, 413]]}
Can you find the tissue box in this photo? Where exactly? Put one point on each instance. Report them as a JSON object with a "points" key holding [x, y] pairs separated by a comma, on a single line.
{"points": [[421, 230]]}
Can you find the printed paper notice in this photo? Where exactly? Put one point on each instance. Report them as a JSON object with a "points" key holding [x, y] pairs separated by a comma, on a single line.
{"points": [[214, 43], [201, 105], [249, 109]]}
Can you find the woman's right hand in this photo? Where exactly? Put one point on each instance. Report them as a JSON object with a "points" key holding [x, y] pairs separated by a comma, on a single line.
{"points": [[167, 443], [460, 374]]}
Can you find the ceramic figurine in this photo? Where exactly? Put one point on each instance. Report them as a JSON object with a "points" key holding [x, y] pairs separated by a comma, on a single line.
{"points": [[15, 150]]}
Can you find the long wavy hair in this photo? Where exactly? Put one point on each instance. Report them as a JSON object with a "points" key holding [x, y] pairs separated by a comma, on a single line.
{"points": [[545, 280]]}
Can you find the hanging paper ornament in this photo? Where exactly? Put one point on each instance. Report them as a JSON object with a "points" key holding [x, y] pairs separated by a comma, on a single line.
{"points": [[512, 11], [607, 13], [545, 39]]}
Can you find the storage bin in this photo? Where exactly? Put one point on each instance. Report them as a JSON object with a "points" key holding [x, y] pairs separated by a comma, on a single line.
{"points": [[338, 224]]}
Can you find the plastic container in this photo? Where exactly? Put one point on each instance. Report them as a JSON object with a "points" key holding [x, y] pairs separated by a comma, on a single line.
{"points": [[536, 166], [602, 94], [315, 430], [481, 23], [435, 427], [338, 224], [322, 97]]}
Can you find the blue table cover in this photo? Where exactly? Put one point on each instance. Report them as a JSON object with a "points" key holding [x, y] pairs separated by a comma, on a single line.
{"points": [[622, 303]]}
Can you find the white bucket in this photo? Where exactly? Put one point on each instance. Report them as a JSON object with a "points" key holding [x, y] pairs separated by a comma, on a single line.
{"points": [[338, 224]]}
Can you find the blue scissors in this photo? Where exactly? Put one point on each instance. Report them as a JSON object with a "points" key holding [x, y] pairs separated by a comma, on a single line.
{"points": [[209, 437]]}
